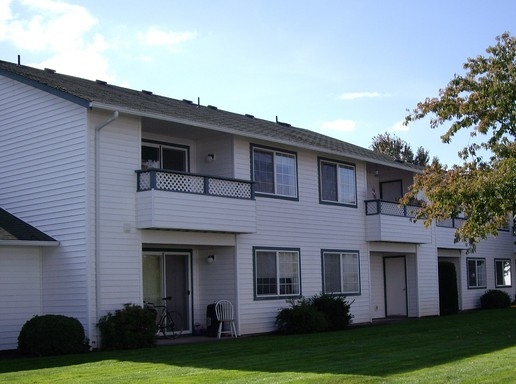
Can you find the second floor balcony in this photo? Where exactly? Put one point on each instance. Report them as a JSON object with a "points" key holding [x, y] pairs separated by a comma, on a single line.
{"points": [[391, 222], [445, 233], [186, 201]]}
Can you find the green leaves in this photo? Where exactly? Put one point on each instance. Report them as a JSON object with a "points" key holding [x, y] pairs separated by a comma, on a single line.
{"points": [[483, 100]]}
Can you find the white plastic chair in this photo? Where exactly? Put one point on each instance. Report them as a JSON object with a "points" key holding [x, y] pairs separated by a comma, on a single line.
{"points": [[224, 312]]}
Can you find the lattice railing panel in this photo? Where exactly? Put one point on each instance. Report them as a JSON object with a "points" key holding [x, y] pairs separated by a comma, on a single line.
{"points": [[222, 187], [451, 223], [144, 183], [190, 183], [179, 182], [379, 207]]}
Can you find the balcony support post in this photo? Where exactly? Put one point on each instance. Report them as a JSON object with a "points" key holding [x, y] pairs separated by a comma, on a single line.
{"points": [[206, 185], [152, 180]]}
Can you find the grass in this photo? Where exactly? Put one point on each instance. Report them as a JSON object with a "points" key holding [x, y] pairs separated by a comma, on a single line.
{"points": [[474, 347]]}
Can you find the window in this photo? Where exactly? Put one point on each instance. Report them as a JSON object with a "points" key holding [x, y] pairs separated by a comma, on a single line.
{"points": [[476, 273], [156, 155], [274, 172], [337, 182], [503, 273], [341, 272], [391, 190], [276, 273]]}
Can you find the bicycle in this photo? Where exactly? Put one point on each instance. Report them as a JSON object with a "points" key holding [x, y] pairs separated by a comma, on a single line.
{"points": [[168, 323]]}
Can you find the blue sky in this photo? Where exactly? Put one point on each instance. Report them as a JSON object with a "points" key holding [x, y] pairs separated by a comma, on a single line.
{"points": [[349, 69]]}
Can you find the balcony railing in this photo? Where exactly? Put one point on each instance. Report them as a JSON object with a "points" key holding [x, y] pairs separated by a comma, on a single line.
{"points": [[173, 181], [455, 222], [382, 207]]}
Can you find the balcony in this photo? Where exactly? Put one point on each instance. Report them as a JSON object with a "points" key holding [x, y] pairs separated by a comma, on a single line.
{"points": [[445, 233], [186, 201], [392, 222]]}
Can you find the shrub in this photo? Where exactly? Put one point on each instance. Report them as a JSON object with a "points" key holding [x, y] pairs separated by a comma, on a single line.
{"points": [[128, 328], [300, 317], [335, 309], [316, 314], [52, 335], [494, 298]]}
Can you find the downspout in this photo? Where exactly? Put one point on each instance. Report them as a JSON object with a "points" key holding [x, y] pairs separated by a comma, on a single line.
{"points": [[97, 220]]}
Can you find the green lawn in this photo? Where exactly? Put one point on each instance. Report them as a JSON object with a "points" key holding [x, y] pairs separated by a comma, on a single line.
{"points": [[475, 347]]}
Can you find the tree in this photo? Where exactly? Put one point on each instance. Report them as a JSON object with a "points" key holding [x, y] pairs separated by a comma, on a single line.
{"points": [[483, 187], [399, 149]]}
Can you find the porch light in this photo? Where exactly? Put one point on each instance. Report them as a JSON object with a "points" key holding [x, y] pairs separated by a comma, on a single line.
{"points": [[210, 157], [210, 259]]}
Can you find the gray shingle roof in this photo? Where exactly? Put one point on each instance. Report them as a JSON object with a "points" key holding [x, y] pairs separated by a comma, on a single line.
{"points": [[87, 93], [12, 228]]}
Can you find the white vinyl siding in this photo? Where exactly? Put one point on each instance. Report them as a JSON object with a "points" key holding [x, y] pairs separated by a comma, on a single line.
{"points": [[305, 224], [119, 254], [44, 182], [20, 291], [423, 281]]}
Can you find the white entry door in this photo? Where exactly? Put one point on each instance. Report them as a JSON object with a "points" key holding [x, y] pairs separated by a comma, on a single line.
{"points": [[395, 286]]}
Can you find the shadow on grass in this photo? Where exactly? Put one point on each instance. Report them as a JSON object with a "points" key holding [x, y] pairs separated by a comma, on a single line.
{"points": [[374, 350]]}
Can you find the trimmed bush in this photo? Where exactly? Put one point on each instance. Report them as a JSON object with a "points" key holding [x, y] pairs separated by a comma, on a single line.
{"points": [[52, 335], [494, 298], [316, 314], [300, 317], [335, 309], [128, 328]]}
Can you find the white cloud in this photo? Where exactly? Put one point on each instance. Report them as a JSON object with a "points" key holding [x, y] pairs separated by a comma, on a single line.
{"points": [[399, 127], [169, 39], [60, 31], [5, 12], [48, 26], [359, 95], [335, 127]]}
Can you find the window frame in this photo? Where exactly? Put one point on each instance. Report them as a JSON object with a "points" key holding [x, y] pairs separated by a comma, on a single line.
{"points": [[274, 152], [496, 262], [277, 295], [160, 146], [337, 163], [476, 260], [341, 252]]}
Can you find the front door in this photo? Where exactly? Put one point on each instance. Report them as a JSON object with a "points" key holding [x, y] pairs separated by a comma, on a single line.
{"points": [[395, 286], [168, 274]]}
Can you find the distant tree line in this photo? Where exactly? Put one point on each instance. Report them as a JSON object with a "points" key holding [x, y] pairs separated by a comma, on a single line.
{"points": [[393, 146]]}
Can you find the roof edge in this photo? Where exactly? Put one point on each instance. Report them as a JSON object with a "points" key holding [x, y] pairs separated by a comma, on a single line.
{"points": [[43, 87], [130, 111], [29, 243]]}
